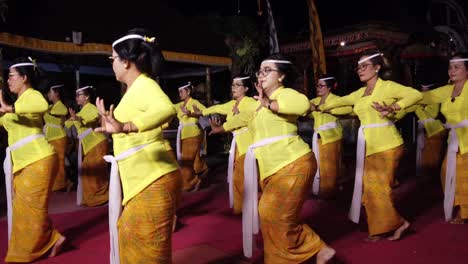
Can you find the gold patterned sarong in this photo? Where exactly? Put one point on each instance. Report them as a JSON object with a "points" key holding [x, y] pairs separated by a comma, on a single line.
{"points": [[95, 177]]}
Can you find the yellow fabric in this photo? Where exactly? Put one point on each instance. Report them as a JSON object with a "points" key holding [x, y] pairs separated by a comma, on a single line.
{"points": [[32, 232], [424, 112], [191, 164], [26, 121], [379, 172], [329, 165], [149, 108], [266, 124], [55, 116], [145, 226], [433, 153], [381, 138], [285, 240], [238, 178], [90, 119], [189, 131], [454, 112], [60, 146], [461, 185], [94, 176], [246, 104], [320, 118]]}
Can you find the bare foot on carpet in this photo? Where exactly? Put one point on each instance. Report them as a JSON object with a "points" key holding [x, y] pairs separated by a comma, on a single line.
{"points": [[174, 223], [325, 255], [399, 232], [457, 221], [57, 247]]}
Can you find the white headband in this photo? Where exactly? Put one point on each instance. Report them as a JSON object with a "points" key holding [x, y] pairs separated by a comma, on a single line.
{"points": [[83, 88], [370, 57], [56, 86], [278, 61], [327, 78], [456, 60], [31, 63], [185, 86], [241, 78]]}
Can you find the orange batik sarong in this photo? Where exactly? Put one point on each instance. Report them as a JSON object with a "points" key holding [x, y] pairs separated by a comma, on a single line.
{"points": [[379, 173], [461, 185], [94, 176], [191, 163], [60, 146], [330, 161], [32, 232], [238, 178], [434, 148], [284, 193], [145, 226]]}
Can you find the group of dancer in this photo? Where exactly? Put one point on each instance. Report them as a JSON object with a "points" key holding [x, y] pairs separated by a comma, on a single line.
{"points": [[267, 154]]}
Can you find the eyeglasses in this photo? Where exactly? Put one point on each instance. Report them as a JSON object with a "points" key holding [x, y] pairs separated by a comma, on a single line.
{"points": [[112, 58], [78, 94], [319, 86], [11, 75], [264, 72], [362, 67], [236, 85]]}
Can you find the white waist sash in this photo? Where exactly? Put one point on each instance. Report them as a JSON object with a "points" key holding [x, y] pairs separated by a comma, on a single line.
{"points": [[179, 141], [8, 170], [355, 210], [230, 172], [79, 188], [451, 169], [421, 141], [115, 200], [315, 149], [250, 222]]}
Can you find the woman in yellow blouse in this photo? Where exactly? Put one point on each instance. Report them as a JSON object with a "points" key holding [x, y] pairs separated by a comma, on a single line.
{"points": [[286, 168], [54, 132], [34, 165], [150, 178], [189, 140], [241, 136], [380, 146], [454, 106], [93, 178], [327, 137]]}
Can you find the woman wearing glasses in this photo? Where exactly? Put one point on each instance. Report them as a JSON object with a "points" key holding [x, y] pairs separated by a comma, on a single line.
{"points": [[93, 178], [150, 177], [454, 106], [54, 132], [326, 140], [241, 136], [380, 146], [189, 140], [30, 169], [286, 167]]}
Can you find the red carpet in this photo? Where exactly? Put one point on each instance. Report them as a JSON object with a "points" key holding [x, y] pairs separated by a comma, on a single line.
{"points": [[209, 233]]}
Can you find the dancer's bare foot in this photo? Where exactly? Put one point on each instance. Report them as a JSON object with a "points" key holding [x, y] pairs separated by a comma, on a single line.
{"points": [[57, 247], [399, 232], [325, 255], [174, 223], [457, 221], [372, 239], [196, 187]]}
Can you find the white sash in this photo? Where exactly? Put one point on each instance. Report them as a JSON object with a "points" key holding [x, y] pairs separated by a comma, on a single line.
{"points": [[79, 188], [250, 222], [8, 170], [451, 169], [315, 149], [355, 210], [179, 141], [421, 141], [230, 172], [44, 128], [115, 200]]}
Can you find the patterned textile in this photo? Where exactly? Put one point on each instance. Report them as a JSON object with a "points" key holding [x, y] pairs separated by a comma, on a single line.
{"points": [[330, 160], [191, 162], [238, 183], [284, 193], [60, 146], [461, 185], [145, 226], [32, 233], [432, 154], [95, 177]]}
